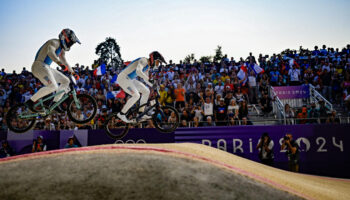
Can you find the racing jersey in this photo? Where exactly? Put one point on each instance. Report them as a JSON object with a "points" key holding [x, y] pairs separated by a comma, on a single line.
{"points": [[138, 67]]}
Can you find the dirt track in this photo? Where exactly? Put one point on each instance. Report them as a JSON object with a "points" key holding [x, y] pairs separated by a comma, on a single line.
{"points": [[174, 171]]}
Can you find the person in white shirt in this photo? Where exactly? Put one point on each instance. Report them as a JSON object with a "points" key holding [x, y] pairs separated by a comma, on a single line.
{"points": [[253, 89], [219, 88], [326, 67], [208, 106], [294, 75]]}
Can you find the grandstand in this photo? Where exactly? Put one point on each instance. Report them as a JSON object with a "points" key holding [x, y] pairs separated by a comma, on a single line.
{"points": [[326, 72]]}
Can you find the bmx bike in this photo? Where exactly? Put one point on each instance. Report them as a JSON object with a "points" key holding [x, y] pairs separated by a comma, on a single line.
{"points": [[20, 119], [165, 119]]}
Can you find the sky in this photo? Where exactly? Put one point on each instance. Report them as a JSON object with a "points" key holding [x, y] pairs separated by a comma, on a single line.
{"points": [[175, 28]]}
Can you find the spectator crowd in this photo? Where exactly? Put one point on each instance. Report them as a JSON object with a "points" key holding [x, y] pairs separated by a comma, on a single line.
{"points": [[206, 93]]}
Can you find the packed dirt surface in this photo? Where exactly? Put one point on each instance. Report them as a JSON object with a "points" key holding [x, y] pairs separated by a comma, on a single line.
{"points": [[168, 171]]}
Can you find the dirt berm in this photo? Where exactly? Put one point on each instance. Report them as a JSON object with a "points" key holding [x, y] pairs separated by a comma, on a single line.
{"points": [[163, 171]]}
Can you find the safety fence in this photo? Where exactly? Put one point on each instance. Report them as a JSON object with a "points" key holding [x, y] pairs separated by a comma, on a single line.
{"points": [[324, 149]]}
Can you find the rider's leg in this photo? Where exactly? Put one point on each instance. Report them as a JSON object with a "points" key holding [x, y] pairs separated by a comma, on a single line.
{"points": [[144, 98], [144, 93], [64, 83], [44, 74], [128, 86]]}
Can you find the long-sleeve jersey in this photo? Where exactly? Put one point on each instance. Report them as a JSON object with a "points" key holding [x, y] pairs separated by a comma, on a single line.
{"points": [[138, 67], [51, 51]]}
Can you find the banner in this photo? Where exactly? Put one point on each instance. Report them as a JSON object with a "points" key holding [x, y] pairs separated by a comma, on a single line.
{"points": [[292, 92], [22, 143], [324, 149], [135, 136]]}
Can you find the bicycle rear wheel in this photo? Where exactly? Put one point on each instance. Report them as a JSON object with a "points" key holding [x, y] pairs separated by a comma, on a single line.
{"points": [[86, 112], [20, 119], [166, 119], [115, 128]]}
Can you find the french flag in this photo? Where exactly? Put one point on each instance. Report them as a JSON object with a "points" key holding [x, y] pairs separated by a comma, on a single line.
{"points": [[257, 69], [242, 72], [119, 94], [100, 70]]}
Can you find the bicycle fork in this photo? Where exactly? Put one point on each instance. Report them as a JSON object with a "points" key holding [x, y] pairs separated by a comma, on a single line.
{"points": [[77, 103]]}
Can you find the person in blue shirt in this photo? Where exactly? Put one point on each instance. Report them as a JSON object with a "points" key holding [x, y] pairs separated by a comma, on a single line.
{"points": [[316, 52], [128, 82], [70, 143], [274, 76]]}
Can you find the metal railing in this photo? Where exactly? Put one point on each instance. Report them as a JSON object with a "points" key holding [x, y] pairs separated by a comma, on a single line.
{"points": [[278, 106], [315, 97]]}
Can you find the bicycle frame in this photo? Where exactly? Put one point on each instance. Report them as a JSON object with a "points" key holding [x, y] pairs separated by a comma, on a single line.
{"points": [[44, 111], [132, 110]]}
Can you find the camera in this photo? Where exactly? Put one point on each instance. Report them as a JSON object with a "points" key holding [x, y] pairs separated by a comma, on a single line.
{"points": [[285, 137]]}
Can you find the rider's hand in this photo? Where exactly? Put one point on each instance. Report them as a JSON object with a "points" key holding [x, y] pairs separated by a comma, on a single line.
{"points": [[64, 67], [76, 76]]}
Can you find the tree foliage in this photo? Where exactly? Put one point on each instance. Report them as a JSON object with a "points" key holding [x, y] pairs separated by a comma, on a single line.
{"points": [[109, 53], [218, 54], [189, 58], [205, 59]]}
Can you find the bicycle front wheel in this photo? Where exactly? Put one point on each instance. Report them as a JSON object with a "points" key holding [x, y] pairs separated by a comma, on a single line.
{"points": [[115, 128], [86, 110], [166, 119], [20, 119]]}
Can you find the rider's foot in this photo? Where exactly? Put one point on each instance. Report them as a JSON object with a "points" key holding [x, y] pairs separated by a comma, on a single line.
{"points": [[30, 105], [123, 117]]}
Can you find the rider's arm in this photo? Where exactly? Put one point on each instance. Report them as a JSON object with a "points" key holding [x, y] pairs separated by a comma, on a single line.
{"points": [[64, 61], [141, 74], [52, 54]]}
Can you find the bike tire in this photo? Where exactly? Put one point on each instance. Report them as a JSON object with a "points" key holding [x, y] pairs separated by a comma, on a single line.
{"points": [[11, 117], [166, 129], [91, 100], [114, 133]]}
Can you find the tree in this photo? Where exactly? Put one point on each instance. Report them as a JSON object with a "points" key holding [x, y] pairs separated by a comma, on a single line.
{"points": [[205, 59], [218, 54], [189, 58], [109, 52]]}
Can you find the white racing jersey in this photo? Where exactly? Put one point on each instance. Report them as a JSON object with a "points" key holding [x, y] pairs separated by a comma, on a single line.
{"points": [[138, 67], [51, 51]]}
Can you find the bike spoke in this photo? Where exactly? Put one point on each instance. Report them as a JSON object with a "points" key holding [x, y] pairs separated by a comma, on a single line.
{"points": [[166, 119], [20, 119], [83, 109], [115, 127]]}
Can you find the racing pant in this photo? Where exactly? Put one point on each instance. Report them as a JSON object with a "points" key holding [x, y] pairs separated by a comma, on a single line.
{"points": [[50, 78], [134, 88]]}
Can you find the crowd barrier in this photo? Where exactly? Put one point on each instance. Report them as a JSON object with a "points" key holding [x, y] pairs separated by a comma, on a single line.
{"points": [[324, 148]]}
